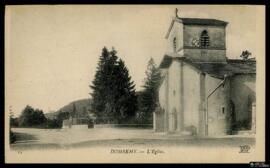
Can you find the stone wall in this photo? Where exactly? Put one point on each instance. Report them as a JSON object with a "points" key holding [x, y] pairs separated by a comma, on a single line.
{"points": [[158, 124], [159, 115], [191, 83], [205, 55], [174, 96], [217, 106]]}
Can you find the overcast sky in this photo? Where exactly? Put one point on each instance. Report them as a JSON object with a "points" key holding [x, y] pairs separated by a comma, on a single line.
{"points": [[52, 51]]}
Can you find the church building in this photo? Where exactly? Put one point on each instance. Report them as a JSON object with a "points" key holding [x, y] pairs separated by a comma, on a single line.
{"points": [[202, 91]]}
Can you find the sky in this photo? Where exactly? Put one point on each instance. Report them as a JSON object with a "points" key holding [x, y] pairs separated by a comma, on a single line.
{"points": [[51, 52]]}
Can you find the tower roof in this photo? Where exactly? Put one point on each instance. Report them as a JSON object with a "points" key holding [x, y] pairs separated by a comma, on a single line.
{"points": [[197, 21]]}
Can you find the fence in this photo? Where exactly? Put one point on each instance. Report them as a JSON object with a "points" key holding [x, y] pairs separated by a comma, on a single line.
{"points": [[123, 125]]}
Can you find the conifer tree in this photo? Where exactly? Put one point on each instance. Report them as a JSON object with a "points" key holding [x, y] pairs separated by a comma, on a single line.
{"points": [[99, 85], [149, 97], [126, 101], [113, 91]]}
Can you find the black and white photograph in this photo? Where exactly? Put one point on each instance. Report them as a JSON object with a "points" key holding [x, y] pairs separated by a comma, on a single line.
{"points": [[134, 83]]}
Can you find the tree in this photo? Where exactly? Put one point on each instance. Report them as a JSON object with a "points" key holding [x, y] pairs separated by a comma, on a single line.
{"points": [[38, 118], [25, 118], [148, 98], [13, 121], [12, 137], [126, 100], [31, 117], [53, 124], [245, 54], [74, 112], [84, 112], [110, 91], [99, 85], [113, 91], [57, 123]]}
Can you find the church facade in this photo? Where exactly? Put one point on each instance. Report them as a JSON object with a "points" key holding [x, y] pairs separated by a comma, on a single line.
{"points": [[203, 92]]}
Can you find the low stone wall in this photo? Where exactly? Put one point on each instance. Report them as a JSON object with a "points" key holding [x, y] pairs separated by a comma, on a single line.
{"points": [[123, 125], [81, 126]]}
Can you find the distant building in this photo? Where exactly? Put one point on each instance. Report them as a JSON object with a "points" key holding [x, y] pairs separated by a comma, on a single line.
{"points": [[203, 92]]}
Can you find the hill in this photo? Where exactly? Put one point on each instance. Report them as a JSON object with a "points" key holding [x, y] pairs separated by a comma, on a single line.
{"points": [[82, 107]]}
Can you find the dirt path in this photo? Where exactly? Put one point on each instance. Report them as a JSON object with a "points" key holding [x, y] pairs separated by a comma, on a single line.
{"points": [[117, 137]]}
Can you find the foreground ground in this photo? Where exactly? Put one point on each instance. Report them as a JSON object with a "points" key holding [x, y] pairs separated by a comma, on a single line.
{"points": [[29, 138]]}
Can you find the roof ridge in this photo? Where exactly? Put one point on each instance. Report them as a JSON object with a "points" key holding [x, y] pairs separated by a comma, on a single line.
{"points": [[241, 60], [199, 18], [202, 21]]}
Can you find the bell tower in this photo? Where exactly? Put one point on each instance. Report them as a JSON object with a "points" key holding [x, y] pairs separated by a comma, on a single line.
{"points": [[199, 40]]}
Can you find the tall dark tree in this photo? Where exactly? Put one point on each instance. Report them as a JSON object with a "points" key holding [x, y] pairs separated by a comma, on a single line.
{"points": [[126, 101], [149, 96], [99, 85], [110, 90], [113, 91]]}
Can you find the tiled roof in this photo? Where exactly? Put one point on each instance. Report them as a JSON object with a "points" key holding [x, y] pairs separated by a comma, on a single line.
{"points": [[217, 70], [197, 21], [166, 62]]}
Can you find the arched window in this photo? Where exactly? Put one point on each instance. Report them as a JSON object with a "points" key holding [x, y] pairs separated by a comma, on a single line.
{"points": [[174, 44], [204, 40]]}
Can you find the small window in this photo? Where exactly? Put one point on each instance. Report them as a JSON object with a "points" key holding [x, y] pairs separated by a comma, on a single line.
{"points": [[174, 92], [204, 40], [222, 113], [174, 44]]}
